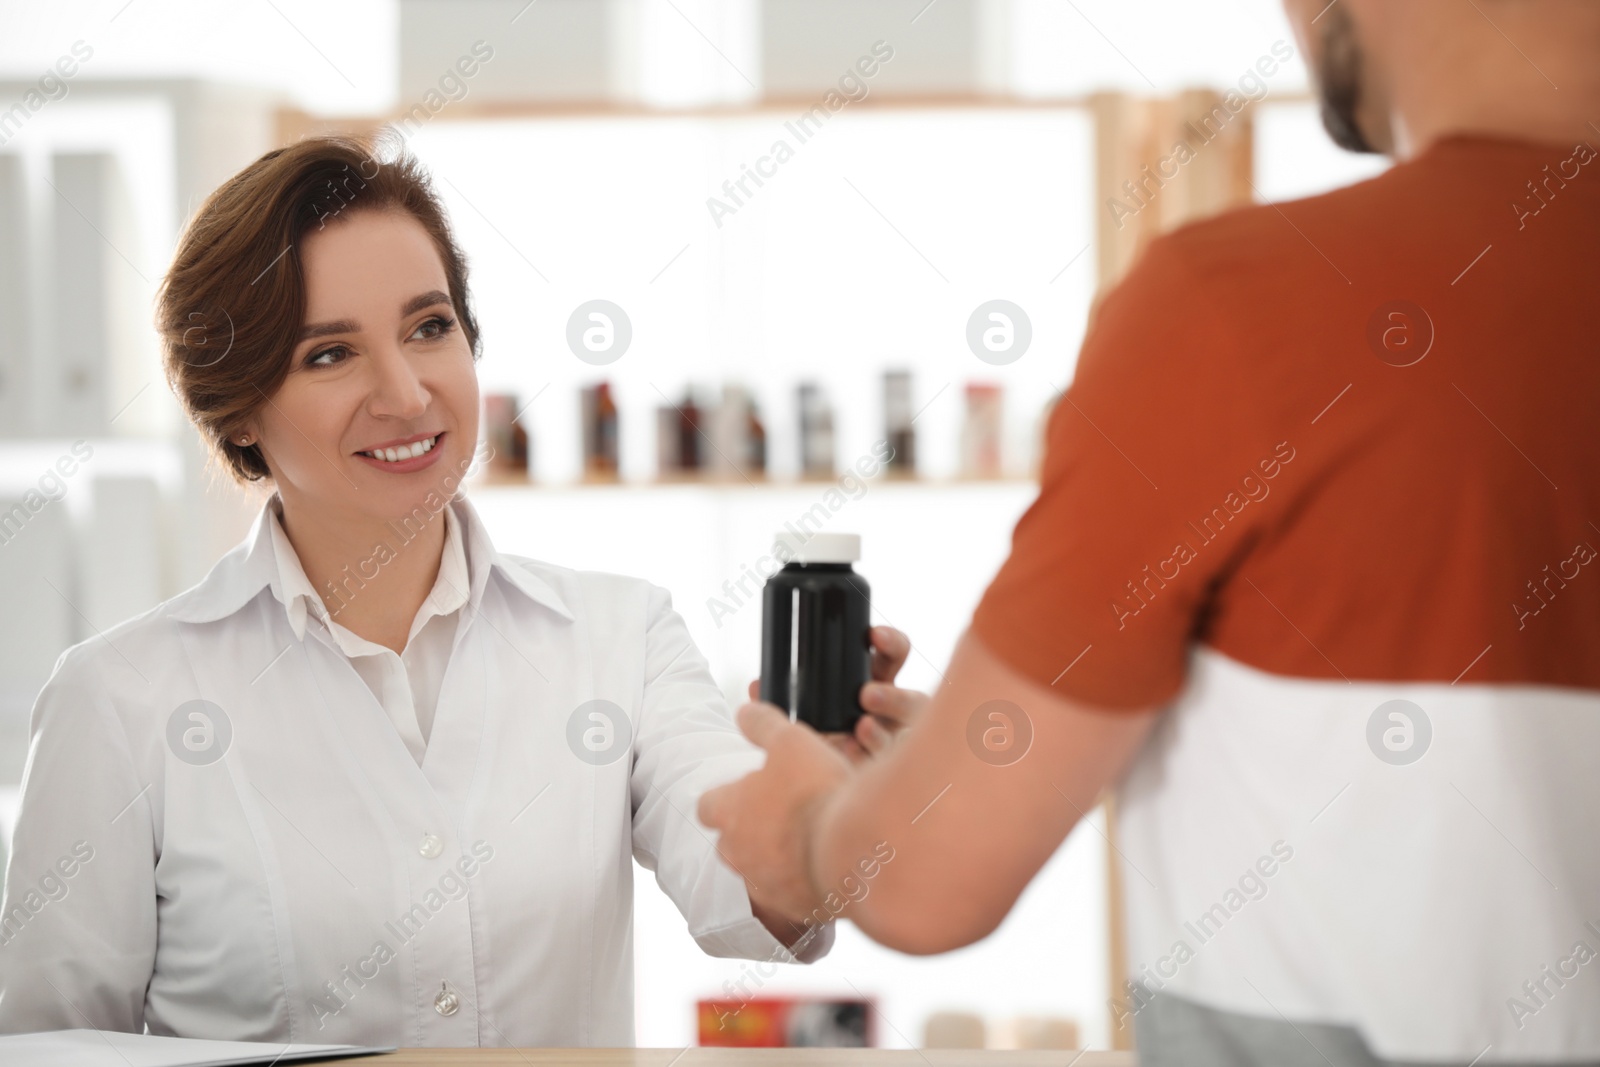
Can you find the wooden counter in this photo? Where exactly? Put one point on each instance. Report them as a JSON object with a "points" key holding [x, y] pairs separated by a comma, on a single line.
{"points": [[734, 1057]]}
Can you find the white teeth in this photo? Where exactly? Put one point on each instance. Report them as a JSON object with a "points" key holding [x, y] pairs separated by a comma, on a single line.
{"points": [[395, 455]]}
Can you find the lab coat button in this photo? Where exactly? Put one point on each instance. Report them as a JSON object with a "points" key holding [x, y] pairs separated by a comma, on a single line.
{"points": [[446, 1003], [430, 848]]}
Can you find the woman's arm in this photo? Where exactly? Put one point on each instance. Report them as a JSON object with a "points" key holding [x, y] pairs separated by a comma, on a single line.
{"points": [[78, 922], [687, 743]]}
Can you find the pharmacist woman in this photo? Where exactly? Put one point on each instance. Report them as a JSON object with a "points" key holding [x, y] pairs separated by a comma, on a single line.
{"points": [[370, 781]]}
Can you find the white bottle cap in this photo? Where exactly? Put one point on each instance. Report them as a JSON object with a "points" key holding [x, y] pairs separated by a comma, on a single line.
{"points": [[818, 547]]}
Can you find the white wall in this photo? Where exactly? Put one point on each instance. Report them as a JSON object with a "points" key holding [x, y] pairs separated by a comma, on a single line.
{"points": [[343, 58], [1295, 158]]}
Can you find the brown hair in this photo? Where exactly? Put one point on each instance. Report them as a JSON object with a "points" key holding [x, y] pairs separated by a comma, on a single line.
{"points": [[229, 311]]}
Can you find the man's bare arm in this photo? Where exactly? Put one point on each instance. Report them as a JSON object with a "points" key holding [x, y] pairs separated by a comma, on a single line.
{"points": [[968, 826]]}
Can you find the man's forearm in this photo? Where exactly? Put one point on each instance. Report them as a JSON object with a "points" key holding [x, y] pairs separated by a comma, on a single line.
{"points": [[872, 857], [968, 833]]}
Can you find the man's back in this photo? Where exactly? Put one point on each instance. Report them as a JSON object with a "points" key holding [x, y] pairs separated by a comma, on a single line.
{"points": [[1327, 479]]}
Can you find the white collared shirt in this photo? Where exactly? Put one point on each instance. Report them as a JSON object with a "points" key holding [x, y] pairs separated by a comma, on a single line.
{"points": [[405, 683], [224, 835]]}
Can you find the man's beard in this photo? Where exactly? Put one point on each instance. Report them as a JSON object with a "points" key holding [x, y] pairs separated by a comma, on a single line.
{"points": [[1339, 82]]}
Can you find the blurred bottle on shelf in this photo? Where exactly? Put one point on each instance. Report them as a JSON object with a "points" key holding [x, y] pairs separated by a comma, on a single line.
{"points": [[816, 432], [691, 450], [725, 440], [669, 458], [980, 432], [599, 433], [897, 416], [755, 441], [741, 440], [1041, 1032], [1041, 435], [510, 459], [678, 451]]}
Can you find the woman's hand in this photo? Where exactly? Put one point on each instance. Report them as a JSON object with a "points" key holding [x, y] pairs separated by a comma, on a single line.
{"points": [[890, 708], [766, 817]]}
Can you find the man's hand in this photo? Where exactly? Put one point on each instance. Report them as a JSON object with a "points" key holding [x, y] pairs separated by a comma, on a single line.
{"points": [[968, 832], [890, 709], [765, 818]]}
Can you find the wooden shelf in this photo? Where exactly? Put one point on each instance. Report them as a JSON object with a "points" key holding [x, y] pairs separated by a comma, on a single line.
{"points": [[504, 484], [738, 1057]]}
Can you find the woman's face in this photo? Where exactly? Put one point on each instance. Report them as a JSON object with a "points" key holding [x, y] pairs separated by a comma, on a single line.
{"points": [[381, 371]]}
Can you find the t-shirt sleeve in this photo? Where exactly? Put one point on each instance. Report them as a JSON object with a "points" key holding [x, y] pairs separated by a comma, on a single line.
{"points": [[1155, 460]]}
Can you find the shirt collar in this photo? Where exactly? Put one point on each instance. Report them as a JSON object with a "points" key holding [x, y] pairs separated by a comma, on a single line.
{"points": [[294, 591], [253, 565], [289, 582]]}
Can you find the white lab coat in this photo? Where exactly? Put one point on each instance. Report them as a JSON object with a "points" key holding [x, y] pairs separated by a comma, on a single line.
{"points": [[311, 882]]}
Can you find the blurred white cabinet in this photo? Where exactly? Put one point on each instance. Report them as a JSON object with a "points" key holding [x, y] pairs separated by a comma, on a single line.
{"points": [[120, 561], [39, 621], [15, 372], [546, 50], [77, 366], [939, 47]]}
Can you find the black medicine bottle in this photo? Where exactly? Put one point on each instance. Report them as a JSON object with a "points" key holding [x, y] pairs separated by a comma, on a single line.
{"points": [[816, 644]]}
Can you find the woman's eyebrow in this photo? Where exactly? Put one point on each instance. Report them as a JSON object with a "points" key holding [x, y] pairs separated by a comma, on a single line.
{"points": [[428, 299], [415, 304], [323, 329]]}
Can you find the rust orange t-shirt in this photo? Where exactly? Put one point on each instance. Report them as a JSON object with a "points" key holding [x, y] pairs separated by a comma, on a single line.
{"points": [[1326, 487], [1349, 437]]}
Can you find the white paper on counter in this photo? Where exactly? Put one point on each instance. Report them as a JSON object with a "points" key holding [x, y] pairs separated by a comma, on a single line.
{"points": [[104, 1048]]}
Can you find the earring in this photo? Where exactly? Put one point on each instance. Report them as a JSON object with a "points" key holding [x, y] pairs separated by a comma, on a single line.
{"points": [[245, 440]]}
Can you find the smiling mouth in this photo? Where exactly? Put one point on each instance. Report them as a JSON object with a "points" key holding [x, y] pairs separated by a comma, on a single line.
{"points": [[403, 452]]}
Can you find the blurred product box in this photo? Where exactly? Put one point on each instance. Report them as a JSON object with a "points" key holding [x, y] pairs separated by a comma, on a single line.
{"points": [[786, 1022]]}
